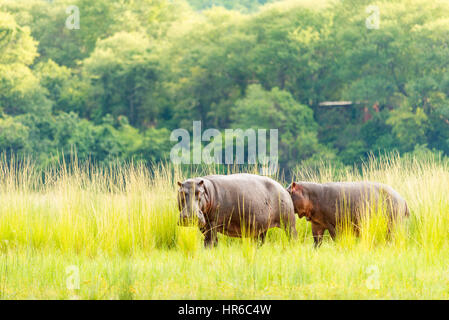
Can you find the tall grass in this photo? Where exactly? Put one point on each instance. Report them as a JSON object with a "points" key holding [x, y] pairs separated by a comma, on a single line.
{"points": [[118, 226]]}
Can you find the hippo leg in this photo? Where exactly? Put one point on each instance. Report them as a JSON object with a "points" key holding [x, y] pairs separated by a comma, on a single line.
{"points": [[210, 238], [356, 230], [290, 228], [292, 232], [331, 230], [261, 238], [317, 231], [390, 229]]}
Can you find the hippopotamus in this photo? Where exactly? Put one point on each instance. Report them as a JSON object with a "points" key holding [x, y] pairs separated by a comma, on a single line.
{"points": [[237, 205], [326, 204]]}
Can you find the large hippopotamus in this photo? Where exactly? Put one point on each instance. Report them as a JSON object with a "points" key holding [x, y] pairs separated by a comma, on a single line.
{"points": [[326, 204], [238, 205]]}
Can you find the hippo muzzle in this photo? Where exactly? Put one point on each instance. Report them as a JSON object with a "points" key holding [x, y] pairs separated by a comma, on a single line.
{"points": [[186, 220]]}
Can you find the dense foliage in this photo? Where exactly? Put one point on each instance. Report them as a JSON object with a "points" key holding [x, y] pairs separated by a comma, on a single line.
{"points": [[137, 69]]}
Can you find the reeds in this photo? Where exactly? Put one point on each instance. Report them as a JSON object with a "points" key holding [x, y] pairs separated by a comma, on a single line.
{"points": [[118, 226]]}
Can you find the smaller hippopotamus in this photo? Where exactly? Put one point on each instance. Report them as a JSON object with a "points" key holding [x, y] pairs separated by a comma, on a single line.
{"points": [[324, 205], [236, 205]]}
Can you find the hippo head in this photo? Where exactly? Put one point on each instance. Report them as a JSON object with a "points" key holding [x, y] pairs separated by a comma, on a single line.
{"points": [[192, 199], [301, 201]]}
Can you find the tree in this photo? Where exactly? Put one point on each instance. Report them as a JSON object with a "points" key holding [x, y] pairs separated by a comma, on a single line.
{"points": [[276, 109], [14, 137], [122, 61], [20, 90], [65, 89]]}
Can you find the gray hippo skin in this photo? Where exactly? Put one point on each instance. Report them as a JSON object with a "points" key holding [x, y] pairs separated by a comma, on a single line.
{"points": [[324, 204], [235, 204]]}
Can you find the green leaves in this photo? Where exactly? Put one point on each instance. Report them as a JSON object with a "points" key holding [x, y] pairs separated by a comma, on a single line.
{"points": [[276, 109], [137, 69], [16, 44], [409, 126], [122, 61], [13, 136]]}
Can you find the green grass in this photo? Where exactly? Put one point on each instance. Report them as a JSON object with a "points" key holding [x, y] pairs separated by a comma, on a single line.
{"points": [[118, 227]]}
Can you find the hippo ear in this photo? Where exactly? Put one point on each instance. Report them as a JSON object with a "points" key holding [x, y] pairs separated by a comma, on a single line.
{"points": [[296, 187], [199, 186]]}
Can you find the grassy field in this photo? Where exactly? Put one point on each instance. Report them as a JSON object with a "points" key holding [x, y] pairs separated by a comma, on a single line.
{"points": [[91, 233]]}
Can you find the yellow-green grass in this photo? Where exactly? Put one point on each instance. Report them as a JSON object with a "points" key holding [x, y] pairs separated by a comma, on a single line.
{"points": [[117, 226]]}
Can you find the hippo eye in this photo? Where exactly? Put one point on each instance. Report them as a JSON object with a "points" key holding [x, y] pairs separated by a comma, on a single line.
{"points": [[183, 194]]}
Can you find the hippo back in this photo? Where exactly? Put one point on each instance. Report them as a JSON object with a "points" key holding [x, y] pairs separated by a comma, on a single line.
{"points": [[259, 201], [359, 195]]}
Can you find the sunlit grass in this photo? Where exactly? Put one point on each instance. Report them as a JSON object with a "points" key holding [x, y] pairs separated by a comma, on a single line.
{"points": [[118, 226]]}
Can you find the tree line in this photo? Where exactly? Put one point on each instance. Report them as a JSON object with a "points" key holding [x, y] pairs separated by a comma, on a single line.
{"points": [[336, 88]]}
